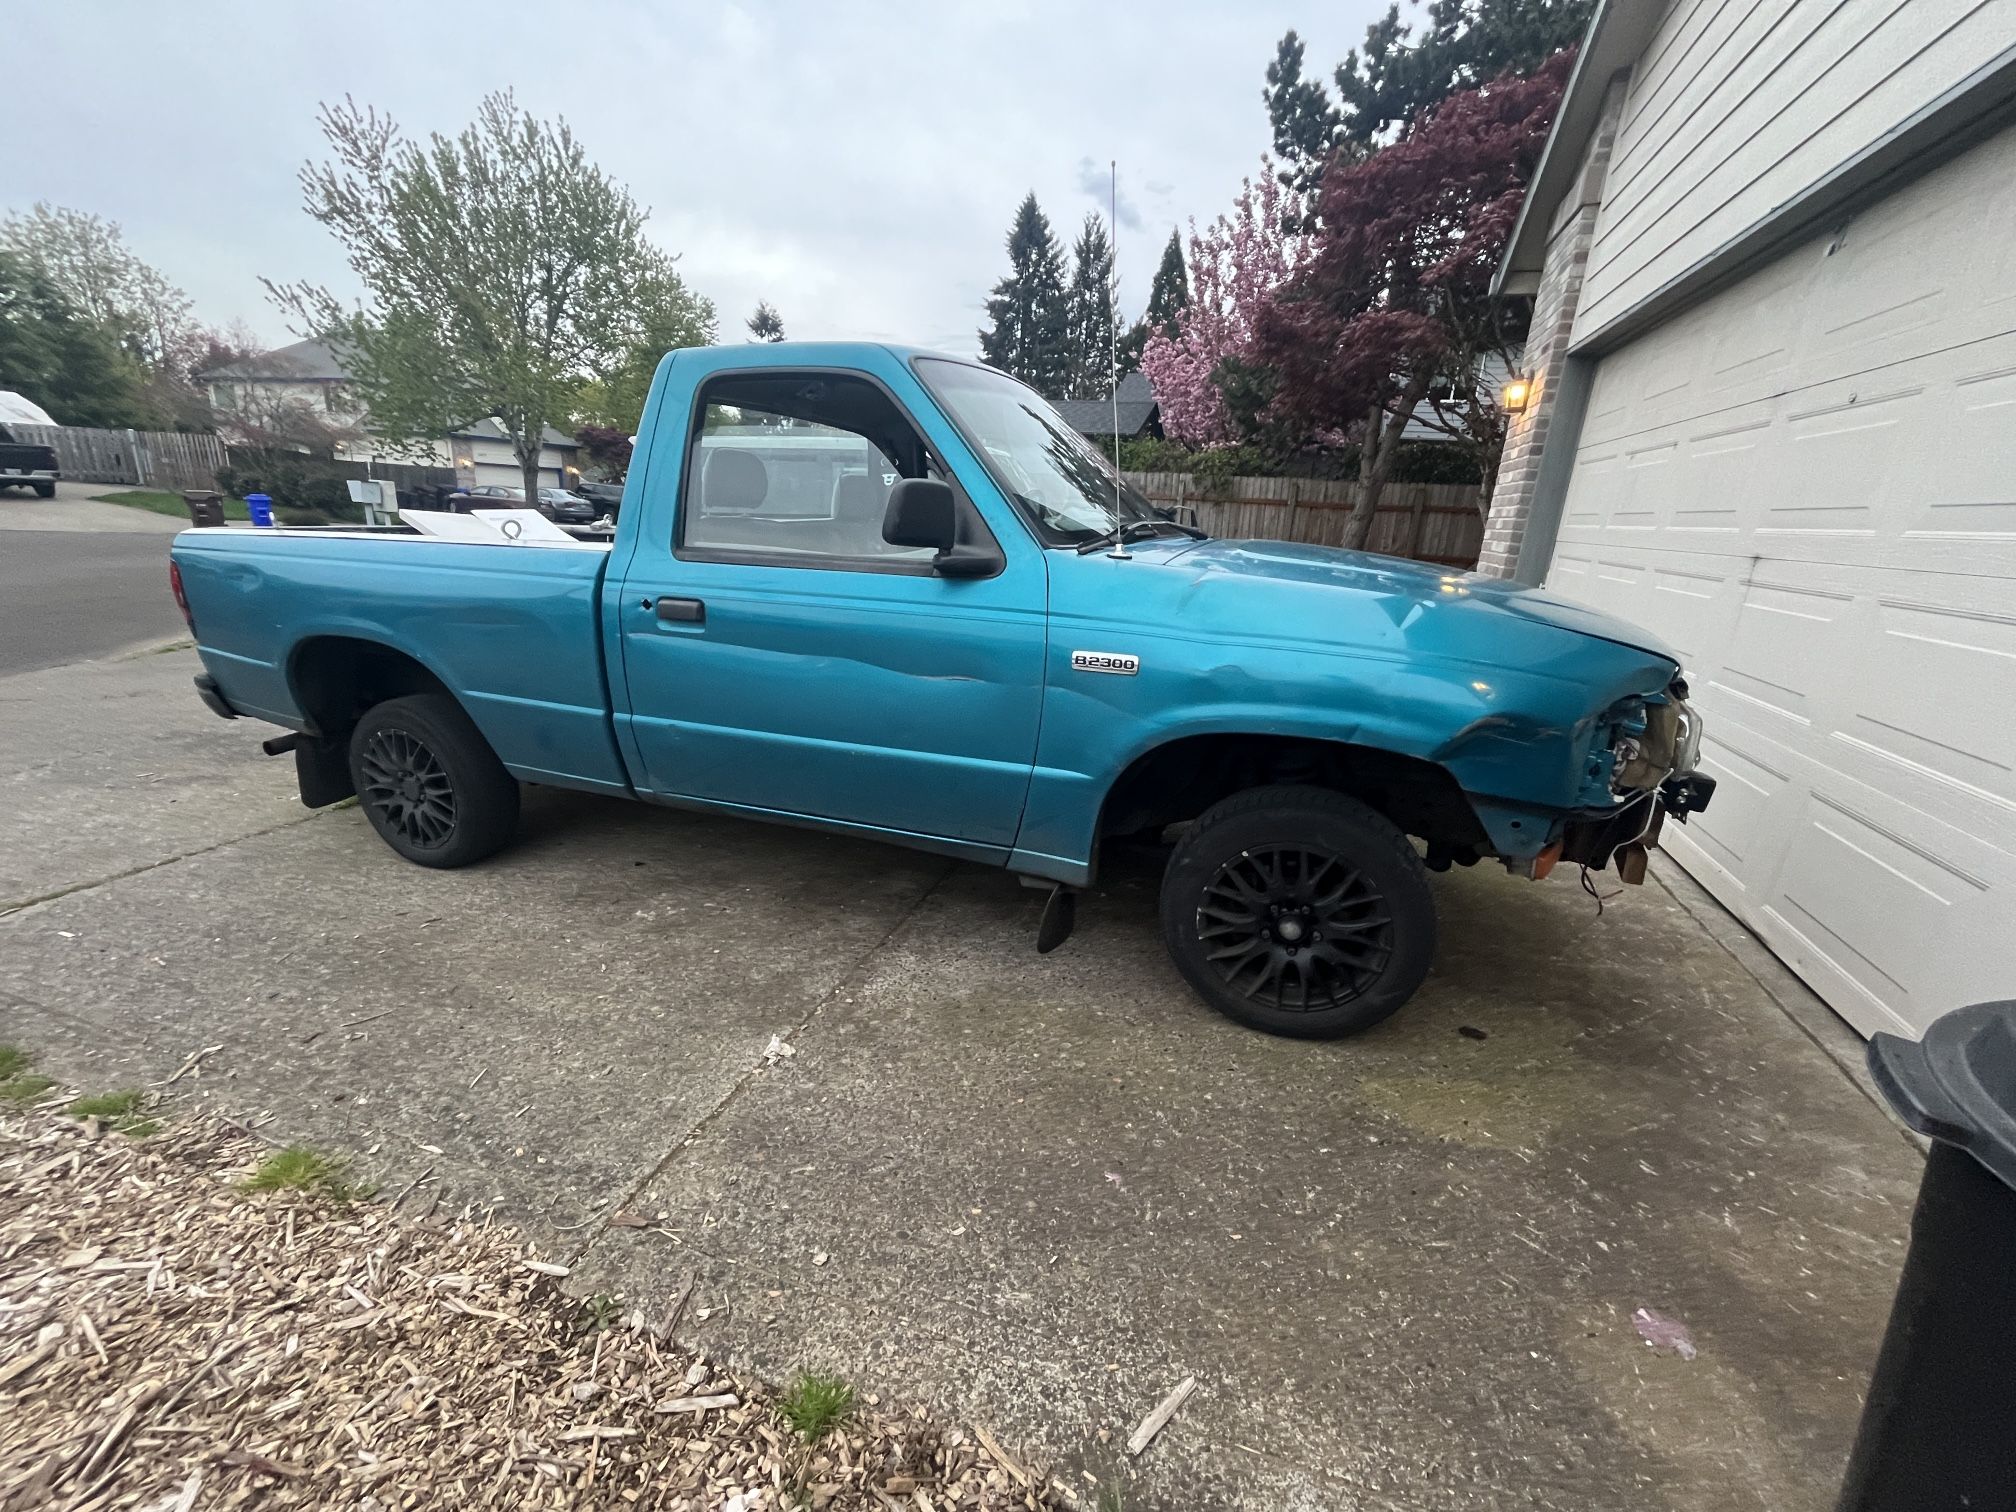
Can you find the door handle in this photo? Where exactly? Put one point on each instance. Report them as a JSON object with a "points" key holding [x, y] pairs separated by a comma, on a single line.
{"points": [[682, 611]]}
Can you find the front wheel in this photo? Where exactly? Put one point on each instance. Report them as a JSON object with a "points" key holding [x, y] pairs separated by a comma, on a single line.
{"points": [[1299, 911], [429, 782]]}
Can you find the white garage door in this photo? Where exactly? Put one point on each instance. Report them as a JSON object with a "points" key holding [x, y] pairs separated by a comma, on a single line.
{"points": [[1808, 485]]}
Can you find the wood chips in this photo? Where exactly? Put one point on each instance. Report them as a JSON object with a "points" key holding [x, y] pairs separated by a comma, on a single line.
{"points": [[170, 1343]]}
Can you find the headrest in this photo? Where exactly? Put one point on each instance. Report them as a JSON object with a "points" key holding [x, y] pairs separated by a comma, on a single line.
{"points": [[734, 482]]}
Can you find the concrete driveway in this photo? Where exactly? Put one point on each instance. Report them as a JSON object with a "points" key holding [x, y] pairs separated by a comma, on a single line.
{"points": [[1038, 1191]]}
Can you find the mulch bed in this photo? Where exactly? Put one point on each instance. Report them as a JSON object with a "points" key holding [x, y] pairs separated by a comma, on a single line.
{"points": [[170, 1342]]}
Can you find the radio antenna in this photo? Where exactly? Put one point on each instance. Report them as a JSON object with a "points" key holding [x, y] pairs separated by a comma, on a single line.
{"points": [[1112, 306]]}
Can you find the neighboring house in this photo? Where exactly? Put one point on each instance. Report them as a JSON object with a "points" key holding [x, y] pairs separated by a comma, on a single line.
{"points": [[1140, 414], [310, 373], [1773, 418]]}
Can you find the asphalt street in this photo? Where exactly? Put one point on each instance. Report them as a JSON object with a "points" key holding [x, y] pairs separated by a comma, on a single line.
{"points": [[80, 580]]}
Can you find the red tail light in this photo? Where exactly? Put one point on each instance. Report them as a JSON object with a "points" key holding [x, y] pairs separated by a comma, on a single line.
{"points": [[181, 598]]}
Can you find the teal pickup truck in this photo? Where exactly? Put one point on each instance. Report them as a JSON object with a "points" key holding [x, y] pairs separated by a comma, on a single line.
{"points": [[892, 594]]}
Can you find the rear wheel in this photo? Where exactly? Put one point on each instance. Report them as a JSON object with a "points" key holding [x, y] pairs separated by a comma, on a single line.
{"points": [[45, 490], [1299, 911], [429, 782]]}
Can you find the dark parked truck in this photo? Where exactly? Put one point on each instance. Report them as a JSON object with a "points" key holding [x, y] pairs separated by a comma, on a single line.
{"points": [[28, 464], [892, 594]]}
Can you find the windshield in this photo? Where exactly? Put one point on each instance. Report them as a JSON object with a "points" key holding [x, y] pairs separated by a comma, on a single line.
{"points": [[1054, 475]]}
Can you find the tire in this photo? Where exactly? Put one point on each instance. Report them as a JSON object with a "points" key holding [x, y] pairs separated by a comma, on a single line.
{"points": [[45, 490], [429, 782], [1258, 881]]}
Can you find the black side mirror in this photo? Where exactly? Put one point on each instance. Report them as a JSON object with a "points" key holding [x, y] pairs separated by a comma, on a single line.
{"points": [[925, 512], [921, 512]]}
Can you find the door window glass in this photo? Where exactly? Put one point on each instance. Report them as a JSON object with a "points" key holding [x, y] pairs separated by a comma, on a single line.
{"points": [[787, 466]]}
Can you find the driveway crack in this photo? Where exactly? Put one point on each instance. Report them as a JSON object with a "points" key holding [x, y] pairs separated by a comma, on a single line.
{"points": [[10, 907], [853, 976]]}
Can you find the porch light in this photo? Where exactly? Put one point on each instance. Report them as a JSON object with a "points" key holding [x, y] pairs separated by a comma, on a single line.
{"points": [[1514, 394]]}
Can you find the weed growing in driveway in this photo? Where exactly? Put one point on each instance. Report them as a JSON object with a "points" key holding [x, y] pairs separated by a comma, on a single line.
{"points": [[117, 1110], [599, 1312], [812, 1403], [300, 1169], [21, 1087]]}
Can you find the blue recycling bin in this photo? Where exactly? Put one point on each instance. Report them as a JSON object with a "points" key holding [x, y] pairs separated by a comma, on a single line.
{"points": [[260, 508]]}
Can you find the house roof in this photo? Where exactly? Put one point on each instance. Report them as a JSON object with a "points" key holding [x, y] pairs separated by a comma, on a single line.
{"points": [[1618, 33], [303, 362], [1094, 417], [490, 430]]}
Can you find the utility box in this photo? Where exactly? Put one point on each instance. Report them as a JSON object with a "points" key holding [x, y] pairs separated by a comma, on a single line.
{"points": [[379, 498]]}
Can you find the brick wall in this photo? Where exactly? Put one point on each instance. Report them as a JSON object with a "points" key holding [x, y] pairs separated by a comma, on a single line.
{"points": [[1547, 339]]}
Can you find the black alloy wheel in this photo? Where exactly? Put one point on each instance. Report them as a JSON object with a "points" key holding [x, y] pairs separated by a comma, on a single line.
{"points": [[1300, 911], [1295, 928], [406, 782], [429, 782]]}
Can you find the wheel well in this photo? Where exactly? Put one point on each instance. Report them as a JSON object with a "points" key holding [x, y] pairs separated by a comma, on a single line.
{"points": [[335, 678], [1176, 782]]}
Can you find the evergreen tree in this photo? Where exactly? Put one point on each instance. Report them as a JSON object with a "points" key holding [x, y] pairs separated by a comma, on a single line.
{"points": [[1170, 292], [1398, 74], [1092, 319], [1307, 127], [766, 324], [72, 366], [1026, 335]]}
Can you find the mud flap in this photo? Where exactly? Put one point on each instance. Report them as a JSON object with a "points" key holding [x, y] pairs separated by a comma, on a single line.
{"points": [[322, 768], [1060, 917]]}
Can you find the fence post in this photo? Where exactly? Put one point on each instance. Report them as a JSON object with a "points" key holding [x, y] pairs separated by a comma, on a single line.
{"points": [[137, 460], [1294, 503], [1417, 516]]}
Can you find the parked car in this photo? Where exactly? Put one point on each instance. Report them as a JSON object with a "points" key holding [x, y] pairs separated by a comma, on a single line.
{"points": [[606, 497], [26, 464], [567, 508], [887, 593]]}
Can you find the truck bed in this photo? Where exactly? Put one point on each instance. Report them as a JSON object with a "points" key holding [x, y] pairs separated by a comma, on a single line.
{"points": [[514, 629]]}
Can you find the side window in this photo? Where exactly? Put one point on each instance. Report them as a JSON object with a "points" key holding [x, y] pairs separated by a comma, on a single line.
{"points": [[795, 469]]}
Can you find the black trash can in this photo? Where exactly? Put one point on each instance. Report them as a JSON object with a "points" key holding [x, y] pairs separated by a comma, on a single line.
{"points": [[1939, 1427], [206, 507]]}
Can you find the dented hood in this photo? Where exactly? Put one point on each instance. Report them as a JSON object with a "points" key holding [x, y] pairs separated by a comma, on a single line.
{"points": [[1402, 589]]}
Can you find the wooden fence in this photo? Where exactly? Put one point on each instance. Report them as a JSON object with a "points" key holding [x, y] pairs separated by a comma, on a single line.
{"points": [[152, 459], [1431, 522]]}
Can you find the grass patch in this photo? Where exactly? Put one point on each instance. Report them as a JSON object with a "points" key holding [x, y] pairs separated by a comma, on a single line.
{"points": [[160, 501], [20, 1085], [300, 1169], [119, 1111], [812, 1403], [25, 1090]]}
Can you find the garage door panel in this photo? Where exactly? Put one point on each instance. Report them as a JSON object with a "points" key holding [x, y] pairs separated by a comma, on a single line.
{"points": [[1817, 504]]}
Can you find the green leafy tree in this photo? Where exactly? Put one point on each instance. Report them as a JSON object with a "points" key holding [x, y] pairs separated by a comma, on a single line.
{"points": [[502, 273], [766, 324], [85, 259], [54, 355], [1092, 319], [1027, 331], [1403, 70]]}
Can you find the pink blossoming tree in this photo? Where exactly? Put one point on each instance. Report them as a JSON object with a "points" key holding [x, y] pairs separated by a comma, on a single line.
{"points": [[1236, 265]]}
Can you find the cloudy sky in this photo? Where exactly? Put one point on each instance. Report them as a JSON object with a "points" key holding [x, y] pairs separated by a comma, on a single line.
{"points": [[855, 164]]}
